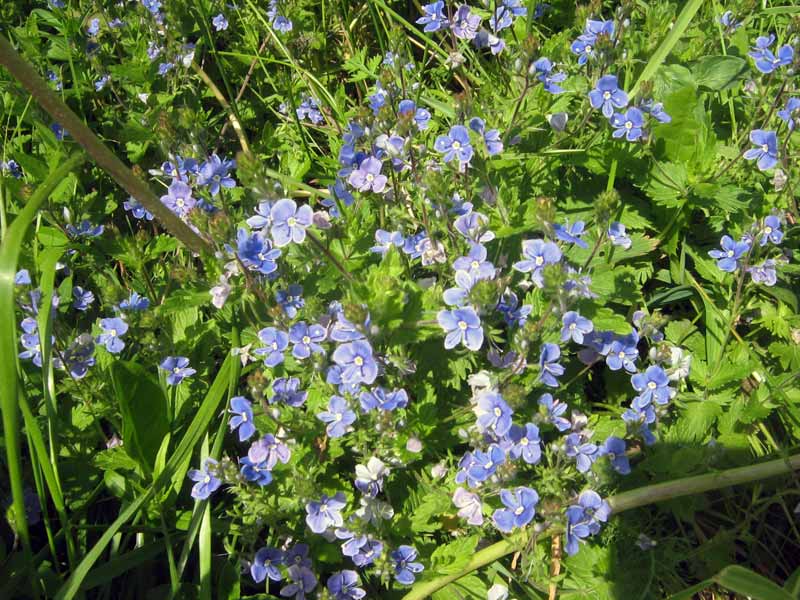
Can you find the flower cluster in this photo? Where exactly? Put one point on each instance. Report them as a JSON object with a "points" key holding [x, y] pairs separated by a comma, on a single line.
{"points": [[744, 255]]}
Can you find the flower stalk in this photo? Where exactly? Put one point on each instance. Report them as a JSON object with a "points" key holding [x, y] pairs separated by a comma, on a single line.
{"points": [[107, 160], [644, 496]]}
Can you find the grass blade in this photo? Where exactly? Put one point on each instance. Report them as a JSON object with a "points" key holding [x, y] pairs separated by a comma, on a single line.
{"points": [[176, 467], [9, 257]]}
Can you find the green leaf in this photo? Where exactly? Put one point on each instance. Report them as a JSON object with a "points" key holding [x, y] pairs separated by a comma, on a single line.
{"points": [[719, 72], [467, 588], [748, 583], [453, 557], [144, 411]]}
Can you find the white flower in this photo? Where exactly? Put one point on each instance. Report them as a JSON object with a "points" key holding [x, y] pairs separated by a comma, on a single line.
{"points": [[220, 292], [469, 505], [371, 475], [373, 510], [497, 592], [680, 364]]}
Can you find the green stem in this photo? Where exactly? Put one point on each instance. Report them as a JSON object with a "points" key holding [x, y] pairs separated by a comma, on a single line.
{"points": [[651, 494], [107, 160]]}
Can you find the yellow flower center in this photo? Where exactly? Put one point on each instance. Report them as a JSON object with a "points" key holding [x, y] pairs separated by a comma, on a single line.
{"points": [[358, 361], [462, 325], [497, 412]]}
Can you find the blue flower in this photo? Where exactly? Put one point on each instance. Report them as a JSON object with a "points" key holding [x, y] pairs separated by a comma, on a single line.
{"points": [[575, 327], [298, 555], [513, 314], [310, 108], [134, 302], [265, 564], [790, 114], [617, 235], [178, 369], [30, 341], [549, 368], [494, 145], [368, 553], [614, 449], [526, 443], [137, 210], [338, 417], [462, 325], [84, 229], [629, 125], [112, 330], [380, 399], [766, 150], [608, 96], [152, 5], [279, 22], [484, 464], [368, 176], [623, 353], [520, 508], [536, 254], [571, 233], [455, 145], [765, 60], [357, 360], [83, 298], [544, 73], [256, 252], [730, 22], [269, 450], [465, 23], [475, 263], [287, 390], [433, 16], [207, 482], [12, 167], [584, 453], [343, 585], [289, 222], [652, 385], [494, 414], [258, 473], [555, 409], [385, 240], [58, 131], [101, 83], [473, 226], [291, 299], [504, 13], [214, 174], [179, 198], [94, 27], [656, 110], [275, 342], [325, 513], [764, 273], [584, 519], [405, 565], [263, 217], [303, 582], [728, 257], [306, 339], [584, 47], [78, 357], [220, 22], [22, 277], [165, 67], [242, 412]]}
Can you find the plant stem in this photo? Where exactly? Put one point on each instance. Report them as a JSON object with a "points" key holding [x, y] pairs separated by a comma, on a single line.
{"points": [[107, 160], [637, 498]]}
